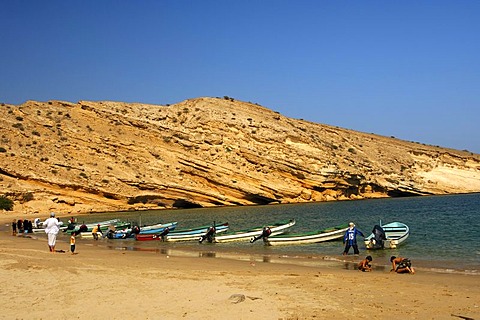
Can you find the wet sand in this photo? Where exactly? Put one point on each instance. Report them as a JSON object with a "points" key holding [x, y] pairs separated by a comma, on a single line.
{"points": [[116, 284]]}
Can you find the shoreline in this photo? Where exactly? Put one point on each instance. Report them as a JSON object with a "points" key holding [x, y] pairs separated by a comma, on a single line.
{"points": [[139, 284], [215, 251], [466, 265], [224, 252], [338, 262]]}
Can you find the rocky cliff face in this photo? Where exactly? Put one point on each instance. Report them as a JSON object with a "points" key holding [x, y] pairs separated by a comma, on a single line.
{"points": [[104, 156]]}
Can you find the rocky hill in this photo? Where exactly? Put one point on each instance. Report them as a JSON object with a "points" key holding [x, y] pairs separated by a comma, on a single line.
{"points": [[107, 156]]}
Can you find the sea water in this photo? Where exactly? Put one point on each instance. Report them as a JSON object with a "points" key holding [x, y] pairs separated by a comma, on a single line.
{"points": [[444, 230]]}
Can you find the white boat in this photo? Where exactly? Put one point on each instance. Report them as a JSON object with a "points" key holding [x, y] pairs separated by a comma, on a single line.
{"points": [[329, 234], [41, 229], [182, 234], [247, 235], [194, 234], [76, 227], [103, 225], [387, 236], [89, 235], [157, 228]]}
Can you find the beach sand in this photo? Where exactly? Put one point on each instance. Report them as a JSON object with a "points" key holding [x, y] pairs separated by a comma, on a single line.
{"points": [[98, 283]]}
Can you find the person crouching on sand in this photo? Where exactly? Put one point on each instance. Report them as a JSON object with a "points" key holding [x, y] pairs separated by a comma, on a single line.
{"points": [[401, 265], [364, 265]]}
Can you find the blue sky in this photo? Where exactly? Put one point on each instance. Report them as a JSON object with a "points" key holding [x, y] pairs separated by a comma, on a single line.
{"points": [[409, 69]]}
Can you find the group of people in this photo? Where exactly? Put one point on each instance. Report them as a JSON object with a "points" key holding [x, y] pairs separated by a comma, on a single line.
{"points": [[399, 264], [24, 226], [51, 226]]}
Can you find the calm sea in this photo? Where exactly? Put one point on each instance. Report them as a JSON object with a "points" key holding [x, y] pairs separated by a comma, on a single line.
{"points": [[445, 230]]}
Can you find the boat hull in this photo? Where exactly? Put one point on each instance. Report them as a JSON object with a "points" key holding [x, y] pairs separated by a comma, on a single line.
{"points": [[159, 228], [248, 235], [194, 234], [89, 235], [181, 235], [306, 238], [104, 225]]}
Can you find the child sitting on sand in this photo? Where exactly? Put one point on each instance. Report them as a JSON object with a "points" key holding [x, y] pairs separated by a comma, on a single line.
{"points": [[364, 265]]}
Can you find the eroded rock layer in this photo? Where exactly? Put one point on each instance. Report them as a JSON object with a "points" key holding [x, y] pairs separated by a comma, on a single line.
{"points": [[106, 156]]}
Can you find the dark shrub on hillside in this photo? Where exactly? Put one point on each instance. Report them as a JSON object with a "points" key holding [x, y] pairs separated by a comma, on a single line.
{"points": [[6, 204]]}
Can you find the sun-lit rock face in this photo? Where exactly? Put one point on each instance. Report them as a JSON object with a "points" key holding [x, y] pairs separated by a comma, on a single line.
{"points": [[204, 152]]}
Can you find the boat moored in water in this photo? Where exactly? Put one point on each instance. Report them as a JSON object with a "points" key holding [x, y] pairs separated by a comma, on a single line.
{"points": [[328, 234], [182, 234], [247, 235], [387, 236]]}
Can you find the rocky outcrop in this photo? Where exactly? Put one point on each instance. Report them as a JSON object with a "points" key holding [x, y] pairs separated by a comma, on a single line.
{"points": [[104, 156]]}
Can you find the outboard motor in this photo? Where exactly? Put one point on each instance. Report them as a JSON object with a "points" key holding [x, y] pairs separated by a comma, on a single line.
{"points": [[135, 230], [266, 232], [209, 235], [379, 237], [110, 234], [164, 233]]}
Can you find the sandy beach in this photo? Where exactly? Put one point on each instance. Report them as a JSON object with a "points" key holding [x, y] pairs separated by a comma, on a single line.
{"points": [[98, 283]]}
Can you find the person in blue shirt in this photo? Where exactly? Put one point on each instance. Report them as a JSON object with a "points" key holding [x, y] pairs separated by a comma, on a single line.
{"points": [[350, 239]]}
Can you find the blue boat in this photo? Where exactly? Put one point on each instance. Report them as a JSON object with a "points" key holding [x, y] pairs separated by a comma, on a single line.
{"points": [[158, 228], [182, 235], [195, 233]]}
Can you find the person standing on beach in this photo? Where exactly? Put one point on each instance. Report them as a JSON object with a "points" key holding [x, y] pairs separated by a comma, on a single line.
{"points": [[52, 227], [72, 242], [14, 227], [95, 231], [350, 239], [20, 225], [28, 227], [25, 225]]}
